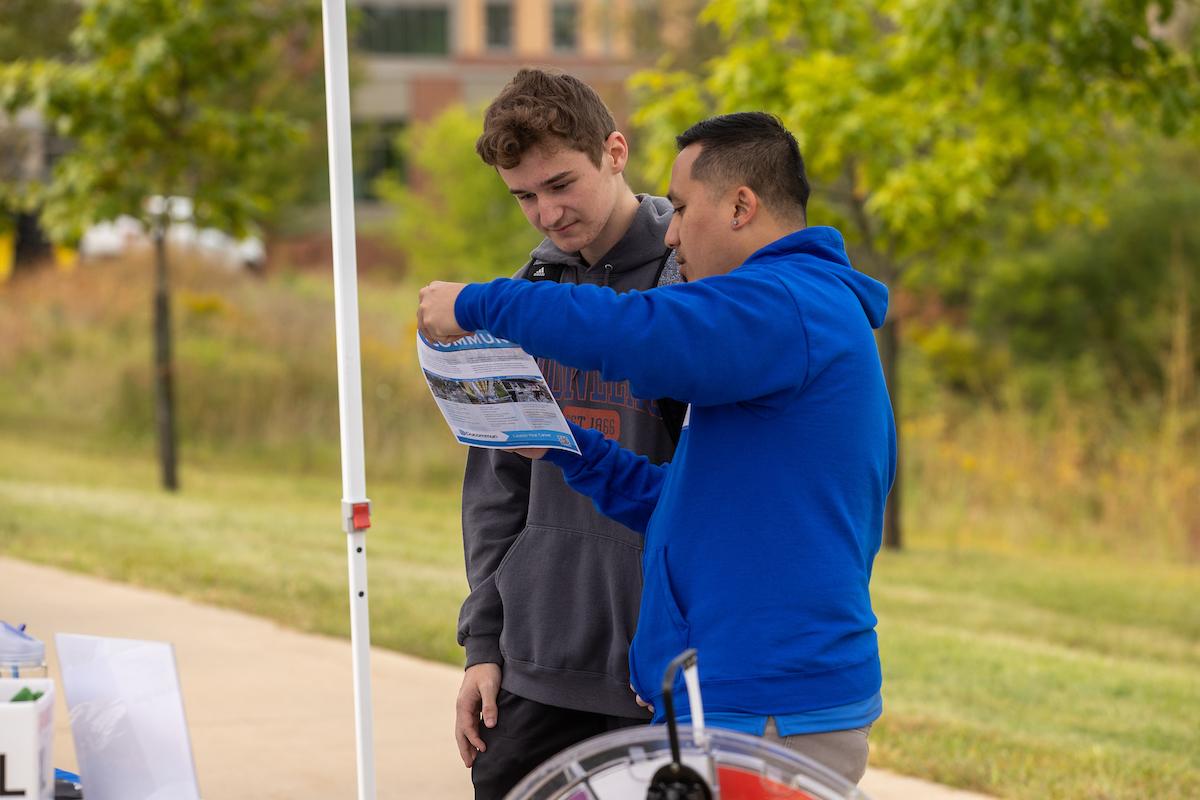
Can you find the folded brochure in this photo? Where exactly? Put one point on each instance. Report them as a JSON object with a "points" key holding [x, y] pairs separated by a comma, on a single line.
{"points": [[492, 393]]}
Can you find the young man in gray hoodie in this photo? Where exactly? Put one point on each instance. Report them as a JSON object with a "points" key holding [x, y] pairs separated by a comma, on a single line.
{"points": [[555, 586]]}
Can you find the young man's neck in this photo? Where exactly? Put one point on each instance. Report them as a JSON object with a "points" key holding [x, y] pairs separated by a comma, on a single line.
{"points": [[622, 216]]}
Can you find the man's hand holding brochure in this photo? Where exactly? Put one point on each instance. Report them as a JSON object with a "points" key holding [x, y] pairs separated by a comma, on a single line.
{"points": [[492, 394]]}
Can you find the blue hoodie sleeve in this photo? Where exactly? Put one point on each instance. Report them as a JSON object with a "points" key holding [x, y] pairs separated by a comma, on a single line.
{"points": [[623, 485], [724, 339]]}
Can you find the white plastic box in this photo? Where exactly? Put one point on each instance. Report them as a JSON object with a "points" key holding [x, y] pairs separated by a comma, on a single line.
{"points": [[27, 740]]}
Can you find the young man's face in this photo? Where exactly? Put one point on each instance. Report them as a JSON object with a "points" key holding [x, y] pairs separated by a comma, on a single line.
{"points": [[564, 195], [701, 230]]}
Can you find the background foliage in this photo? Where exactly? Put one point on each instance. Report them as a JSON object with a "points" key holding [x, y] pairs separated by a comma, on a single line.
{"points": [[165, 98], [450, 191]]}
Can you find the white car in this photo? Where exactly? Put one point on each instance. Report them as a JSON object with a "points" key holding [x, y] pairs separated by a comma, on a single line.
{"points": [[114, 238]]}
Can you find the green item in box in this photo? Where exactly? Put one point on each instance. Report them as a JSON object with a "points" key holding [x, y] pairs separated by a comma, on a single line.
{"points": [[25, 696]]}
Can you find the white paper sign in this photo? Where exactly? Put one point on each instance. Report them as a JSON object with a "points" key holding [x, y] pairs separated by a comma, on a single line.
{"points": [[126, 713]]}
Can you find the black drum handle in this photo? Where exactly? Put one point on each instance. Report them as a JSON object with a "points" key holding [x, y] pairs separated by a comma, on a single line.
{"points": [[676, 781]]}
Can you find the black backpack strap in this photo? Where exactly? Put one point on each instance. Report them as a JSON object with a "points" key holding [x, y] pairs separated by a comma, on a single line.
{"points": [[541, 271], [662, 264], [673, 412]]}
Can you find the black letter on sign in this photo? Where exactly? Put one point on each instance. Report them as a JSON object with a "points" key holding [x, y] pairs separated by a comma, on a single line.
{"points": [[4, 790]]}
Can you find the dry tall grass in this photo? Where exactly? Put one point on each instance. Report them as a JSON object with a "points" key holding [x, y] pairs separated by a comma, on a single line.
{"points": [[255, 365], [1080, 482]]}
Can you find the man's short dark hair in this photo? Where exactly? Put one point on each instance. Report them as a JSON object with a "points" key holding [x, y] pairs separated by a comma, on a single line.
{"points": [[750, 148], [539, 107]]}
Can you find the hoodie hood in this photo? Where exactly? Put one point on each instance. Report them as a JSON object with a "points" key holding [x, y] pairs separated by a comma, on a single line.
{"points": [[823, 248], [645, 235]]}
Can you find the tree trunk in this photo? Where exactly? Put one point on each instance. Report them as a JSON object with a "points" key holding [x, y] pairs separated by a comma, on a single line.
{"points": [[164, 392], [889, 354]]}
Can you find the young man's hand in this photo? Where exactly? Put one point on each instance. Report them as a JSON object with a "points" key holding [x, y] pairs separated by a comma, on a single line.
{"points": [[435, 312], [476, 696], [640, 701]]}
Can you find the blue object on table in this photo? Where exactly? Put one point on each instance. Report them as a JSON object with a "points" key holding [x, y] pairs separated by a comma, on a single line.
{"points": [[21, 655], [67, 785]]}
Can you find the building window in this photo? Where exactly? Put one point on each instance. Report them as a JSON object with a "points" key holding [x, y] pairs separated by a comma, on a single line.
{"points": [[405, 30], [565, 26], [499, 26]]}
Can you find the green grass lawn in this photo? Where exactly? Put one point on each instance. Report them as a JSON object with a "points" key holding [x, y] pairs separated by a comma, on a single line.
{"points": [[1018, 675], [1030, 677]]}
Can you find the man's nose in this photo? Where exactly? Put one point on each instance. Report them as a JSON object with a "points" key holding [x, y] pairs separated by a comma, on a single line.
{"points": [[672, 237], [549, 212]]}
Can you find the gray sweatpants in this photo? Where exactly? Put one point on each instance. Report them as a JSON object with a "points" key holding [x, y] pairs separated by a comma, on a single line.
{"points": [[844, 752]]}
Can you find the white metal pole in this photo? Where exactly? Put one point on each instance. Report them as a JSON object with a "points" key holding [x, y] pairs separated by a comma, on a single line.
{"points": [[356, 508]]}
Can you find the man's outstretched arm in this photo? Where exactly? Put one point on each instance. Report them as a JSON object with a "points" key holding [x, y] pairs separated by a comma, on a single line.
{"points": [[724, 339]]}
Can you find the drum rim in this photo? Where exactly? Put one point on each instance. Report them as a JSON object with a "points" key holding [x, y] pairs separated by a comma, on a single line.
{"points": [[779, 756]]}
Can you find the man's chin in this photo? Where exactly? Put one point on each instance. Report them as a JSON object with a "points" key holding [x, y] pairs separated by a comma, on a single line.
{"points": [[566, 241]]}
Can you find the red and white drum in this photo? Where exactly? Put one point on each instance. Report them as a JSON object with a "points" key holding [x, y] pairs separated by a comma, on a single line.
{"points": [[736, 766]]}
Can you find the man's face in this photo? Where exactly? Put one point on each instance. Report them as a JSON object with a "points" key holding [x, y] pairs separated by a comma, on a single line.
{"points": [[564, 195], [701, 230]]}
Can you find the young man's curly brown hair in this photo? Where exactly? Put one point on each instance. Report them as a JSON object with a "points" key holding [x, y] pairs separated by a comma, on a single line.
{"points": [[537, 107]]}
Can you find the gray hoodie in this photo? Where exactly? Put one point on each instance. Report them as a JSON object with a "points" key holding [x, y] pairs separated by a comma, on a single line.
{"points": [[555, 586]]}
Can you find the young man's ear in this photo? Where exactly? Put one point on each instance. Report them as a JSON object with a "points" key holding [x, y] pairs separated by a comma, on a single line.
{"points": [[745, 206], [616, 151]]}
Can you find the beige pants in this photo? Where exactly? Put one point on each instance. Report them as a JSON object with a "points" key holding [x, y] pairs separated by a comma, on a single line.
{"points": [[844, 752]]}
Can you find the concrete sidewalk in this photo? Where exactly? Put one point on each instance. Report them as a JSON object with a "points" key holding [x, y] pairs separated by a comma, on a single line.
{"points": [[270, 710]]}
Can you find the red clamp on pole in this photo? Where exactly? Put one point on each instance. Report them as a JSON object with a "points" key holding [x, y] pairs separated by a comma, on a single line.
{"points": [[356, 516]]}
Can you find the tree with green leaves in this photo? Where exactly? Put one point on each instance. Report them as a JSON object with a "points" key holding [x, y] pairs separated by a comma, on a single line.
{"points": [[456, 220], [165, 99], [1108, 306], [917, 118]]}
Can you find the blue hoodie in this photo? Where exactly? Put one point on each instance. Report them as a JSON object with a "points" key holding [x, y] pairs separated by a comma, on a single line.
{"points": [[760, 535]]}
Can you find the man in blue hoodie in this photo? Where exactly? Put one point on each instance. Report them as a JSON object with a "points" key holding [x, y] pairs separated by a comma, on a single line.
{"points": [[761, 533]]}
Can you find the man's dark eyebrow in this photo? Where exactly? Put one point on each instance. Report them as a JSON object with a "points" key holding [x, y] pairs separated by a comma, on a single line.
{"points": [[553, 179]]}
